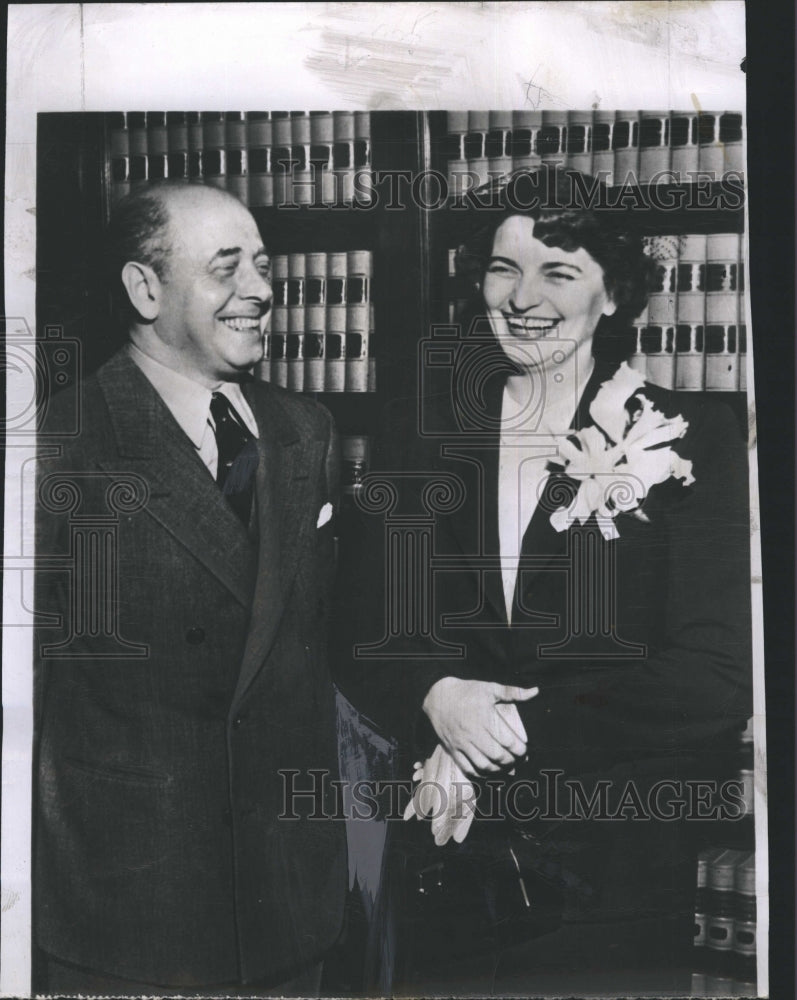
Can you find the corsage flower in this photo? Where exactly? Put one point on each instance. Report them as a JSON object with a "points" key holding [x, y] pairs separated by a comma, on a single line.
{"points": [[621, 457]]}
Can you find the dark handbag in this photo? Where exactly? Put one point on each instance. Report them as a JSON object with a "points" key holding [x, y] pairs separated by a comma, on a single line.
{"points": [[497, 888]]}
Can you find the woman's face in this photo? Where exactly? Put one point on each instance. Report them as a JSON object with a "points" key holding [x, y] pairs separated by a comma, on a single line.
{"points": [[543, 303]]}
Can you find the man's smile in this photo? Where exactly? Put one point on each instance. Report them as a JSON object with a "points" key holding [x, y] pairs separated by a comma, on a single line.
{"points": [[241, 323]]}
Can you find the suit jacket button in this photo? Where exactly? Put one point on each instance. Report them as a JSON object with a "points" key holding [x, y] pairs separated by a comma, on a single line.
{"points": [[194, 636]]}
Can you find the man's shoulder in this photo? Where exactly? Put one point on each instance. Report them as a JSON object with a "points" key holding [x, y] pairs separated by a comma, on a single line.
{"points": [[83, 410]]}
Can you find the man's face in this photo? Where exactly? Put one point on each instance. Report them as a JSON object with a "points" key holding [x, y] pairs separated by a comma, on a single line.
{"points": [[217, 287]]}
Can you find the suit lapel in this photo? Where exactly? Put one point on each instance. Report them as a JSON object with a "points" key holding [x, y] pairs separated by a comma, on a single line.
{"points": [[541, 542], [184, 499], [475, 523], [285, 518]]}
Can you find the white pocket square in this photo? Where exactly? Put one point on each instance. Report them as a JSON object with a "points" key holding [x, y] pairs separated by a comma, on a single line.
{"points": [[324, 515]]}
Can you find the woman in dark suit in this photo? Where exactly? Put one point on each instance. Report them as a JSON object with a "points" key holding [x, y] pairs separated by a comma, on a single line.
{"points": [[583, 659]]}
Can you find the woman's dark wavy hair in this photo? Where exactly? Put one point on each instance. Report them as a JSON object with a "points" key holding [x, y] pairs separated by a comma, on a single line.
{"points": [[571, 211]]}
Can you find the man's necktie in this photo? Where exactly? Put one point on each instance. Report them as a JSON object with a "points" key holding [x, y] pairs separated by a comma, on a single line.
{"points": [[237, 456]]}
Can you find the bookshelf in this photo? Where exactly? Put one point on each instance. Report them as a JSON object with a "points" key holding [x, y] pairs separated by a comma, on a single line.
{"points": [[332, 191]]}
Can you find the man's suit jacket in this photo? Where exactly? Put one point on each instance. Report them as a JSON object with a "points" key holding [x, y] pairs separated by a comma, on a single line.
{"points": [[189, 671], [656, 686]]}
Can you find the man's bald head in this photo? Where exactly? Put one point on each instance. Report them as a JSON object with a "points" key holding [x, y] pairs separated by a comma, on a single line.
{"points": [[139, 229]]}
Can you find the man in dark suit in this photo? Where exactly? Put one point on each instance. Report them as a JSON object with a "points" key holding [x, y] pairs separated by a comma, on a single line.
{"points": [[183, 665]]}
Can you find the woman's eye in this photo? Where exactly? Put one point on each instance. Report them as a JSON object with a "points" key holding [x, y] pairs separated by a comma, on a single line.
{"points": [[561, 276], [503, 270]]}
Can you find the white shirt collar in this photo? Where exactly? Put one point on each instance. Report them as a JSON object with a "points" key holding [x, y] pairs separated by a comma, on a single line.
{"points": [[187, 400]]}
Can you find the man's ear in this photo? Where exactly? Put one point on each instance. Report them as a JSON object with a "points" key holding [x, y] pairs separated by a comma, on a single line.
{"points": [[143, 288]]}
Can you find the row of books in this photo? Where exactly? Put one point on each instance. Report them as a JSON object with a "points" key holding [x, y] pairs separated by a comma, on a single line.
{"points": [[693, 357], [725, 913], [692, 334], [355, 452], [322, 323], [264, 158], [621, 147], [725, 893]]}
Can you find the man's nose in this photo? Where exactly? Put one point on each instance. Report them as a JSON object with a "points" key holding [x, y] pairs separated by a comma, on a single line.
{"points": [[527, 293], [253, 284]]}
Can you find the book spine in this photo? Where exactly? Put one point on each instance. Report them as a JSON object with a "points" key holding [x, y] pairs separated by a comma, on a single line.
{"points": [[235, 144], [322, 140], [690, 309], [119, 149], [196, 144], [363, 170], [157, 146], [722, 311], [625, 145], [579, 141], [335, 342], [214, 165], [638, 360], [315, 321], [602, 153], [177, 145], [279, 320], [732, 141], [137, 133], [259, 139], [294, 344], [745, 920], [343, 156], [742, 329], [281, 162], [358, 297], [552, 140], [498, 143], [354, 454], [659, 336], [526, 127], [475, 153], [720, 910], [711, 155], [302, 171], [654, 147], [372, 345], [458, 176], [263, 367], [700, 940], [456, 306], [683, 145]]}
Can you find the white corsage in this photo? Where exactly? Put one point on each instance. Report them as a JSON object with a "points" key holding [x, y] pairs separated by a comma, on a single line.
{"points": [[619, 459]]}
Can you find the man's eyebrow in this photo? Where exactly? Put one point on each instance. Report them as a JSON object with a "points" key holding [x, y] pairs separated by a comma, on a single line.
{"points": [[236, 252]]}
